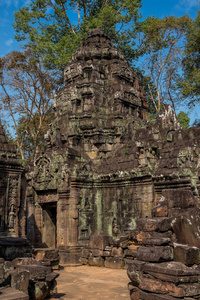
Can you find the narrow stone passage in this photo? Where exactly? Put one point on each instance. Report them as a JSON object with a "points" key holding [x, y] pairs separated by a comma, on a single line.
{"points": [[92, 283]]}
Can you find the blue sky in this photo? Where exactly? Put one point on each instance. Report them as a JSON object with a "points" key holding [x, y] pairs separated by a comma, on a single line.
{"points": [[157, 8]]}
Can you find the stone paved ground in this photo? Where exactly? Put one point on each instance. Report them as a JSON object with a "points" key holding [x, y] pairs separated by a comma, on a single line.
{"points": [[92, 283]]}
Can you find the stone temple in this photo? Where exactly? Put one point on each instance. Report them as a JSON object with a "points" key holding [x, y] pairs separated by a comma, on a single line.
{"points": [[110, 189], [105, 167]]}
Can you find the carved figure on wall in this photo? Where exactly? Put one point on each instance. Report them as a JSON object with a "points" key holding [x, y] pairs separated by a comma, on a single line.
{"points": [[11, 217], [43, 173], [115, 227]]}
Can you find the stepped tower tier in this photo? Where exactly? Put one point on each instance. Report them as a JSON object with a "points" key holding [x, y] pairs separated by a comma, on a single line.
{"points": [[101, 101]]}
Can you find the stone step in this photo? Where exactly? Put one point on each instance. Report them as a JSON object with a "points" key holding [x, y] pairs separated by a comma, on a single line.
{"points": [[12, 294]]}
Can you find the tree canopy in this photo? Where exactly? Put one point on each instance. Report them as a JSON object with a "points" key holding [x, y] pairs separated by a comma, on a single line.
{"points": [[54, 28], [26, 93], [189, 83]]}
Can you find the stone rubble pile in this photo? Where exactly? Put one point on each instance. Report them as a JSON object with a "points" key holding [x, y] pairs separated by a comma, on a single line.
{"points": [[33, 278], [167, 263]]}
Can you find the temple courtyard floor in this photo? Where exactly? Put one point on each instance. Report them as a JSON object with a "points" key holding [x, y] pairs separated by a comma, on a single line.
{"points": [[92, 283]]}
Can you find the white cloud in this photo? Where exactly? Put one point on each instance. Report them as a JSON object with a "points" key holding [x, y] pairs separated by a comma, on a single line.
{"points": [[9, 42], [9, 3], [186, 5]]}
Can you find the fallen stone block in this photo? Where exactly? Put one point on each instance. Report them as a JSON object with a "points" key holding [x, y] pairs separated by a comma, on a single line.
{"points": [[83, 261], [130, 253], [135, 270], [187, 227], [188, 255], [170, 268], [155, 254], [85, 253], [152, 296], [38, 290], [97, 252], [20, 280], [114, 263], [96, 261], [117, 251], [152, 234], [134, 292], [106, 253], [161, 224], [156, 241], [36, 272], [175, 279], [190, 290], [161, 287]]}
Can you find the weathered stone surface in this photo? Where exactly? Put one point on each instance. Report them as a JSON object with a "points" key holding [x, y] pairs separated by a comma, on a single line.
{"points": [[85, 253], [153, 296], [96, 261], [36, 272], [191, 290], [117, 251], [39, 290], [20, 280], [135, 271], [171, 268], [173, 202], [175, 279], [114, 262], [186, 227], [100, 241], [156, 241], [161, 287], [161, 224], [155, 254], [12, 247], [130, 253], [12, 200], [188, 255], [26, 261], [134, 292], [96, 252]]}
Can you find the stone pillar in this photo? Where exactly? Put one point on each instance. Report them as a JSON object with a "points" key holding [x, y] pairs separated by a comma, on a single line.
{"points": [[62, 215], [72, 213], [31, 219]]}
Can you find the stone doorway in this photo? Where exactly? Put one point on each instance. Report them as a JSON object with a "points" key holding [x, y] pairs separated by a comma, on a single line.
{"points": [[49, 225]]}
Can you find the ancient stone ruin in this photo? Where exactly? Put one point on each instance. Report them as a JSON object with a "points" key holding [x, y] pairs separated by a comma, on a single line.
{"points": [[105, 167], [167, 262], [21, 275], [12, 197], [111, 190]]}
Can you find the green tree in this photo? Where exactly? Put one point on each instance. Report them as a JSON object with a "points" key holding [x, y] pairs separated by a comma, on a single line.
{"points": [[183, 119], [48, 28], [189, 83], [26, 92], [162, 41]]}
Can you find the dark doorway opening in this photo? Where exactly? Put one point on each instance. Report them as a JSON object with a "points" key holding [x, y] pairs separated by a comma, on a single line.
{"points": [[49, 224]]}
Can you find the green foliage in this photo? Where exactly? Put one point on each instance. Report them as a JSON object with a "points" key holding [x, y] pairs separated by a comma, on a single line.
{"points": [[46, 26], [189, 83], [126, 150], [183, 119], [150, 91], [161, 46], [26, 92]]}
